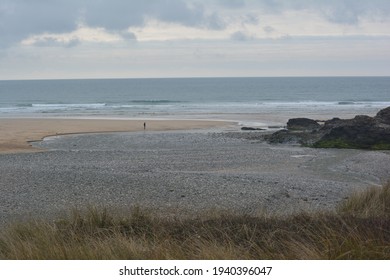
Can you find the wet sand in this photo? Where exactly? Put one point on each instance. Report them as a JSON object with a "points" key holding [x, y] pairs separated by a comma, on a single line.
{"points": [[15, 134]]}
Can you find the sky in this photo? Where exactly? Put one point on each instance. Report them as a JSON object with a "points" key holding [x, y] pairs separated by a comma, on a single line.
{"points": [[65, 39]]}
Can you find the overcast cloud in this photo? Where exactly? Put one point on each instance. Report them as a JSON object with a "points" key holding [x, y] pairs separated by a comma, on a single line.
{"points": [[71, 38]]}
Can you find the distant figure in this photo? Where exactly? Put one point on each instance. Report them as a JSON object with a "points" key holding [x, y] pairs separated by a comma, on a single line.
{"points": [[144, 125]]}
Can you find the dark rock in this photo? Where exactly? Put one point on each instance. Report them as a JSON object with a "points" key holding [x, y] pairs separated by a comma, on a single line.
{"points": [[333, 122], [304, 124], [358, 121], [282, 137], [361, 132], [250, 128], [288, 137], [383, 116]]}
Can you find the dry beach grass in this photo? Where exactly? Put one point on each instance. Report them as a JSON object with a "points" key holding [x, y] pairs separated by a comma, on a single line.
{"points": [[358, 229]]}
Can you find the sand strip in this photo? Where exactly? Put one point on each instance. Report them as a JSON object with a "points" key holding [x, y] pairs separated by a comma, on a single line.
{"points": [[15, 134]]}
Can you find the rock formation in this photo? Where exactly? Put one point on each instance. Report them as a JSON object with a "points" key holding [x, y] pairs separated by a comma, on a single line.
{"points": [[302, 124], [361, 132]]}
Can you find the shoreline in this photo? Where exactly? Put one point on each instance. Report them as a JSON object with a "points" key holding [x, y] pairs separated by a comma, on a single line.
{"points": [[18, 133]]}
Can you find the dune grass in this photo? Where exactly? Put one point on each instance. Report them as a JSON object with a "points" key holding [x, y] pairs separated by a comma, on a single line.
{"points": [[358, 229]]}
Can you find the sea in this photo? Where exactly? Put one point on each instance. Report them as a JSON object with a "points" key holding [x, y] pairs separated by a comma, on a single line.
{"points": [[250, 101]]}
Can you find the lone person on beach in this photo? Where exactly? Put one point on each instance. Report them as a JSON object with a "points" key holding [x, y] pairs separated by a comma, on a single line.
{"points": [[144, 125]]}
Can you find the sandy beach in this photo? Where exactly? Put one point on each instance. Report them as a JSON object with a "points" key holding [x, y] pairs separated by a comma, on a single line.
{"points": [[15, 134]]}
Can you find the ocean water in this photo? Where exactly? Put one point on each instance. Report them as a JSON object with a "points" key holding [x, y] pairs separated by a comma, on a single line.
{"points": [[249, 100]]}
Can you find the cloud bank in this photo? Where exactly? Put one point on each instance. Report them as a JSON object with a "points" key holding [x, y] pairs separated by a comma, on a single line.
{"points": [[20, 19], [191, 37]]}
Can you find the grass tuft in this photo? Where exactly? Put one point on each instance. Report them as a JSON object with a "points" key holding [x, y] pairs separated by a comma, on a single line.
{"points": [[374, 202], [359, 229]]}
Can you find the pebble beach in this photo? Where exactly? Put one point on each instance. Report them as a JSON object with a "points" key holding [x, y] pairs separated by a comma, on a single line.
{"points": [[181, 172]]}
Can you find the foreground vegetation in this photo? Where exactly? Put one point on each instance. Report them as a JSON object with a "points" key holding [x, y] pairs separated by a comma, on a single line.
{"points": [[358, 229]]}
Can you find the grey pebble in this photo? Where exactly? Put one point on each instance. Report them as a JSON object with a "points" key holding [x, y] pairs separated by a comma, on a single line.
{"points": [[189, 172]]}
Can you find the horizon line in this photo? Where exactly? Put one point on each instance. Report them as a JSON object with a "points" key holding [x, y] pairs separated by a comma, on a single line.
{"points": [[196, 77]]}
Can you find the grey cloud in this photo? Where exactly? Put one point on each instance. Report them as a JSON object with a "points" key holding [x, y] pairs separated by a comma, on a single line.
{"points": [[268, 29], [272, 6], [119, 14], [114, 14], [72, 43], [342, 14], [232, 4], [178, 11], [336, 11], [240, 36], [22, 18], [214, 21], [128, 36], [251, 18], [351, 12]]}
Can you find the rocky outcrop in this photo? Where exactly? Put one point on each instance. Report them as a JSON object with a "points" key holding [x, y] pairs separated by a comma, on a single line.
{"points": [[292, 137], [302, 124], [251, 128], [383, 116], [361, 132]]}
